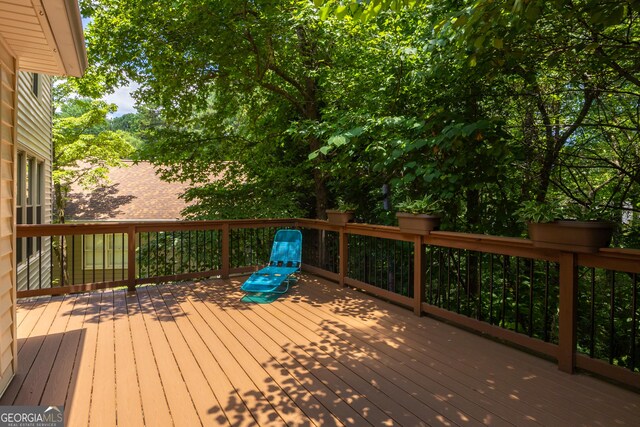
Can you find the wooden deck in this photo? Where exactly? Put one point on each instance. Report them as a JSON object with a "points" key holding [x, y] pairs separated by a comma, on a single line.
{"points": [[196, 354]]}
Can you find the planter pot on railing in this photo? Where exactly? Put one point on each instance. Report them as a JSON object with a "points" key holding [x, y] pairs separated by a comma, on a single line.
{"points": [[339, 217], [417, 224], [571, 236]]}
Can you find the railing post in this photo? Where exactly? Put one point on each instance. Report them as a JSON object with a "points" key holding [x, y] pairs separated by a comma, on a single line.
{"points": [[568, 312], [343, 253], [418, 275], [131, 259], [225, 251]]}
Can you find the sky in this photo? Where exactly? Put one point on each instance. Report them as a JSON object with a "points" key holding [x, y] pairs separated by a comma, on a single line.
{"points": [[122, 95], [122, 98]]}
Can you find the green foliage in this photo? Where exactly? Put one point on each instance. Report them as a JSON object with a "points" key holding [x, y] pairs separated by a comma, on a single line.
{"points": [[83, 148], [549, 211], [345, 206], [294, 105], [533, 211], [426, 205]]}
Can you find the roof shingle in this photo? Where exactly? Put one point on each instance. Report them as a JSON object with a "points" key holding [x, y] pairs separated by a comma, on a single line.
{"points": [[133, 192]]}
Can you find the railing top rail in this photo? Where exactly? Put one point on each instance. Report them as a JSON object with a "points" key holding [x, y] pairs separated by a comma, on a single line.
{"points": [[512, 246], [608, 258], [43, 230]]}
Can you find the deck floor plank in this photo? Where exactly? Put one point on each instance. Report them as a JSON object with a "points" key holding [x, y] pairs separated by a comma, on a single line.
{"points": [[386, 360], [435, 365], [29, 347], [354, 373], [82, 379], [26, 309], [204, 400], [128, 403], [179, 399], [296, 380], [197, 354], [245, 388], [516, 376], [287, 383], [103, 394], [36, 380], [155, 407], [294, 356], [59, 379], [236, 412]]}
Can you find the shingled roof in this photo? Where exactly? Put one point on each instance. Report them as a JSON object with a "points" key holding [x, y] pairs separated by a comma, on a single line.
{"points": [[134, 192]]}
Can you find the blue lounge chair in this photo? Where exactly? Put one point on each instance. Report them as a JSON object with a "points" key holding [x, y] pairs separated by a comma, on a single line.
{"points": [[285, 260]]}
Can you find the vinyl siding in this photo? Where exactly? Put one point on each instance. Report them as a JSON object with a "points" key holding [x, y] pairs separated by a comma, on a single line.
{"points": [[34, 138], [77, 274], [7, 257]]}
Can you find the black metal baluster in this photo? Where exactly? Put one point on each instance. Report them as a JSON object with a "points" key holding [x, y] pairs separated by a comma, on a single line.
{"points": [[468, 284], [531, 261], [592, 328], [82, 243], [458, 277], [196, 250], [430, 283], [165, 263], [440, 294], [113, 256], [401, 264], [505, 266], [204, 251], [612, 328], [62, 266], [448, 278], [546, 302], [93, 275], [479, 288], [28, 272], [157, 245], [40, 263], [517, 318], [634, 309], [51, 257], [124, 247], [73, 260], [189, 250], [139, 265], [491, 289]]}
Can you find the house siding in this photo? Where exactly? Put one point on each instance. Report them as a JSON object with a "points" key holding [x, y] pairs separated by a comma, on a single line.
{"points": [[76, 274], [8, 343], [35, 139]]}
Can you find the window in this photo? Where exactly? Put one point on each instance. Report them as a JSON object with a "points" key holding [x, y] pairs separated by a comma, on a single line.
{"points": [[29, 200], [105, 251], [35, 84]]}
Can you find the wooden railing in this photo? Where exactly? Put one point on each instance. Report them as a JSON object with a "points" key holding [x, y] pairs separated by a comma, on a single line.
{"points": [[578, 309]]}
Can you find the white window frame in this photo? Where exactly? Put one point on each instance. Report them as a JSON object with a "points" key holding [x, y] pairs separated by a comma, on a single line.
{"points": [[103, 258], [29, 200]]}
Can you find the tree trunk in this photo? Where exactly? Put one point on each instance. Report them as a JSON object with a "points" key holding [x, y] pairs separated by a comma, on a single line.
{"points": [[319, 181], [60, 202]]}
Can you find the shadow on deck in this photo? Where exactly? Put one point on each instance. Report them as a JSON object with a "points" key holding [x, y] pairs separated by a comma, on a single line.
{"points": [[197, 354]]}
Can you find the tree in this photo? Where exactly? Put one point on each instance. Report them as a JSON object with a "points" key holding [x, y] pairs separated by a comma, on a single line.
{"points": [[483, 105], [83, 148], [266, 54]]}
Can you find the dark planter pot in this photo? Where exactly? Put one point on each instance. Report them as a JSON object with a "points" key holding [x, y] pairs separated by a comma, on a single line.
{"points": [[571, 236], [339, 217], [417, 224]]}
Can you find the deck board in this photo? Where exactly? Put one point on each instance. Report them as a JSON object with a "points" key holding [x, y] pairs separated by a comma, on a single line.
{"points": [[499, 372], [128, 403], [196, 354], [179, 399]]}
